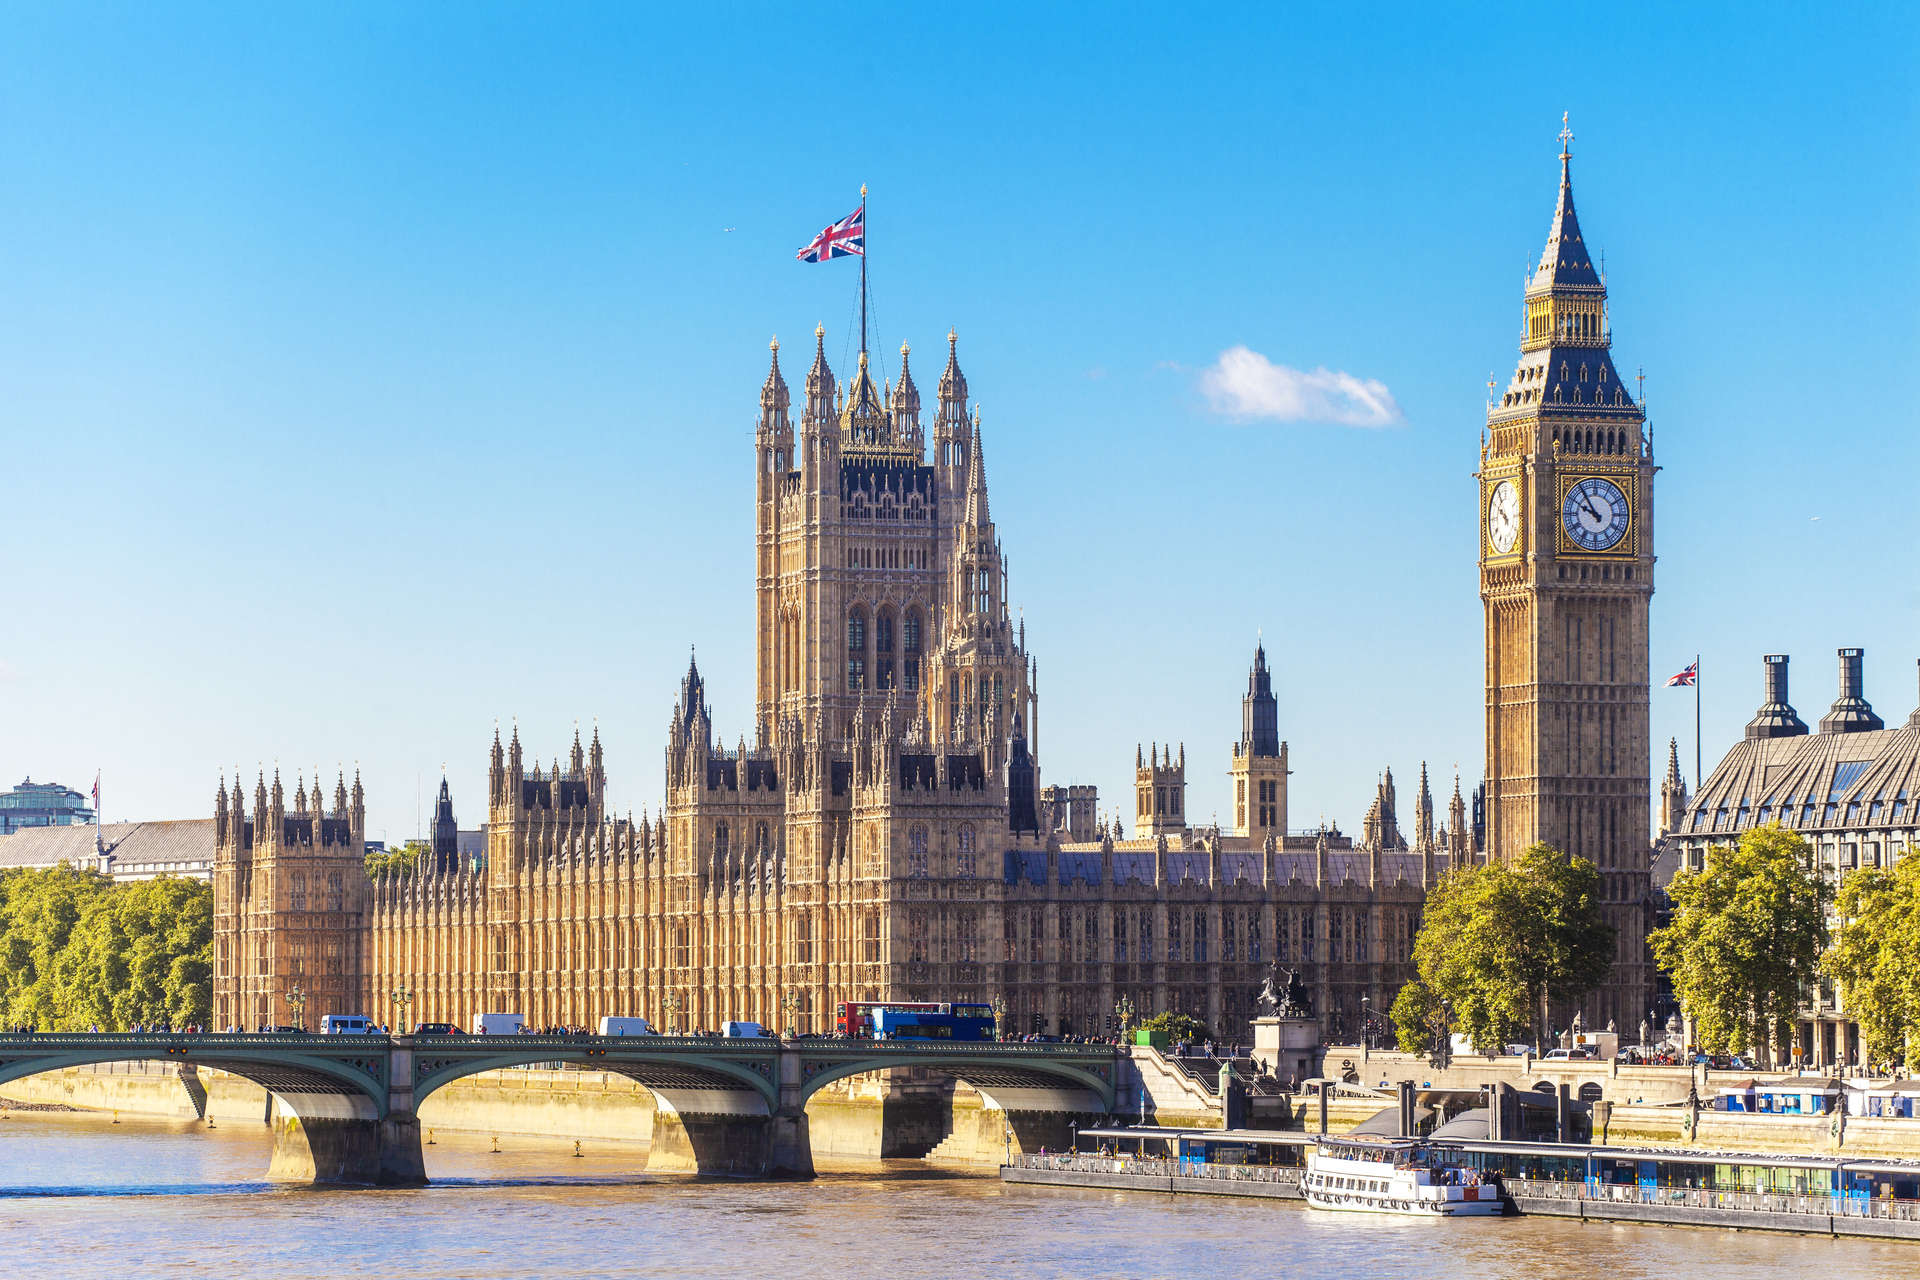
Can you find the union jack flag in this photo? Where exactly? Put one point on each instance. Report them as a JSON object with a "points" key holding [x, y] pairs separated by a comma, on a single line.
{"points": [[1686, 677], [846, 238]]}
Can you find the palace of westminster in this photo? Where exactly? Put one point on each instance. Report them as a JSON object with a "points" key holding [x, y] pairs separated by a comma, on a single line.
{"points": [[886, 834]]}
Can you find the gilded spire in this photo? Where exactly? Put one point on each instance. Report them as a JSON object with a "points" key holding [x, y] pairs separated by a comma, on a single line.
{"points": [[773, 392], [1566, 261], [953, 383], [906, 398], [820, 386]]}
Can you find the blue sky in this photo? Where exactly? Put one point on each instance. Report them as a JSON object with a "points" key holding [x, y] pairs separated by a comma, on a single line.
{"points": [[373, 372]]}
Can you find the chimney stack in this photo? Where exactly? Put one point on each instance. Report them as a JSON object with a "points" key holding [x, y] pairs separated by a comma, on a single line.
{"points": [[1850, 712], [1776, 718]]}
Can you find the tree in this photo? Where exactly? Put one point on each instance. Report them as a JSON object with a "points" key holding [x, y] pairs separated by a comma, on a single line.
{"points": [[79, 950], [1876, 959], [398, 861], [1746, 940], [1178, 1026], [1500, 942]]}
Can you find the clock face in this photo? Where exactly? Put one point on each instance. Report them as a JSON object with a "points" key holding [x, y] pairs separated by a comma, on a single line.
{"points": [[1503, 517], [1595, 514]]}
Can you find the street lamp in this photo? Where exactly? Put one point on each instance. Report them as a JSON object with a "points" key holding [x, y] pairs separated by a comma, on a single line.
{"points": [[1124, 1010], [1366, 1021], [402, 997], [1000, 1030], [790, 1002], [673, 1012], [297, 1001]]}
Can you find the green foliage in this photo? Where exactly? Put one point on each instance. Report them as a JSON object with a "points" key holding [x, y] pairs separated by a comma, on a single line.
{"points": [[1746, 940], [1876, 959], [399, 861], [78, 950], [1498, 942], [1414, 1013], [1180, 1026]]}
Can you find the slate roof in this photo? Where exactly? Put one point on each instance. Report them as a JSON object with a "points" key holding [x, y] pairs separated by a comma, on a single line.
{"points": [[1811, 782], [184, 840]]}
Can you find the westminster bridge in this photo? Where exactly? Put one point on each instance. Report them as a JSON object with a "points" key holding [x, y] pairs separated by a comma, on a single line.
{"points": [[348, 1105]]}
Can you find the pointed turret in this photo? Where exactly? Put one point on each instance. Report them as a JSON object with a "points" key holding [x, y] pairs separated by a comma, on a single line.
{"points": [[905, 402], [820, 386], [1673, 791], [977, 514], [1566, 261], [774, 398], [863, 418]]}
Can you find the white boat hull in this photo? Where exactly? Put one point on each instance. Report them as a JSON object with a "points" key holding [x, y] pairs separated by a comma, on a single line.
{"points": [[1411, 1207]]}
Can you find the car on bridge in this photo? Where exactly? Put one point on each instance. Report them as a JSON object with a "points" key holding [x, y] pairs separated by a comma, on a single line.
{"points": [[436, 1029]]}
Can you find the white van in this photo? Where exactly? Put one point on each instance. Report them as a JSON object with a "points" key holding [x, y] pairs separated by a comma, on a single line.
{"points": [[341, 1024], [498, 1024], [741, 1030], [625, 1027]]}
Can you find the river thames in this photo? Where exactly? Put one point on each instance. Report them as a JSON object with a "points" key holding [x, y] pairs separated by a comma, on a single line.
{"points": [[145, 1198]]}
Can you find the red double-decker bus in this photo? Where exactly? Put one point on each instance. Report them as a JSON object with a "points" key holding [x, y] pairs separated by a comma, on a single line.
{"points": [[856, 1016]]}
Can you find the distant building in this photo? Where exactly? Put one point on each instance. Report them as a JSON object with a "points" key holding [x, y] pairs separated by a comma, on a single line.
{"points": [[134, 850], [42, 804], [1852, 789]]}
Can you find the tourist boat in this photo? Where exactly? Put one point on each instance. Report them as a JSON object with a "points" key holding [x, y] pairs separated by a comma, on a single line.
{"points": [[1363, 1173]]}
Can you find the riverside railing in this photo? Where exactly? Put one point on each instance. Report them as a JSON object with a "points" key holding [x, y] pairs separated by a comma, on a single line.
{"points": [[1842, 1206], [1161, 1167]]}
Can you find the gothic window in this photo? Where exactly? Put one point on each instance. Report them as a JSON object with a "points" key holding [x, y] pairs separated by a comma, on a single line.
{"points": [[681, 951], [969, 937], [965, 865], [1174, 952], [1200, 937], [870, 944], [917, 853], [953, 700], [1146, 937], [984, 598], [910, 635], [299, 896], [1173, 794], [334, 895], [1120, 936], [856, 651], [883, 650], [1230, 936], [1253, 937], [1036, 935], [803, 939], [720, 846], [917, 935], [1089, 938]]}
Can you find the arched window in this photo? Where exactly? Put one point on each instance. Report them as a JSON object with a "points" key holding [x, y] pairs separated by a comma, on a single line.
{"points": [[720, 844], [298, 899], [917, 853], [334, 894], [917, 934], [856, 651], [969, 939], [966, 864], [883, 650], [910, 638]]}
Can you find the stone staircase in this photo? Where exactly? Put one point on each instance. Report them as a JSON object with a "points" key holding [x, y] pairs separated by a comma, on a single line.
{"points": [[196, 1090]]}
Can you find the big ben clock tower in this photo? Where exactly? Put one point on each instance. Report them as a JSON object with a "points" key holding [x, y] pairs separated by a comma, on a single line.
{"points": [[1566, 577]]}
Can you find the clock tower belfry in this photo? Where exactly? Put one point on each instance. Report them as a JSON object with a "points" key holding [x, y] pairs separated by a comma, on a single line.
{"points": [[1566, 578]]}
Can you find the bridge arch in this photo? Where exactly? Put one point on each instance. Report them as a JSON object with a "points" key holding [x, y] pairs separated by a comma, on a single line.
{"points": [[984, 1074], [664, 1068], [275, 1063]]}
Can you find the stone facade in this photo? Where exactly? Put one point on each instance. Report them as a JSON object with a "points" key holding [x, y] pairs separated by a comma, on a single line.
{"points": [[884, 836], [290, 904], [1852, 789], [1566, 577]]}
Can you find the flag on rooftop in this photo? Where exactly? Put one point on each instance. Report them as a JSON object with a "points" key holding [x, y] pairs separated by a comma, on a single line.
{"points": [[846, 238]]}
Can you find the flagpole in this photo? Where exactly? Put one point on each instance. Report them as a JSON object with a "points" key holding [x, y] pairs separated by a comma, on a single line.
{"points": [[863, 268], [1696, 724]]}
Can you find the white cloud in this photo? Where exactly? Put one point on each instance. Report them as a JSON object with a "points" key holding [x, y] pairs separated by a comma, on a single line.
{"points": [[1245, 384]]}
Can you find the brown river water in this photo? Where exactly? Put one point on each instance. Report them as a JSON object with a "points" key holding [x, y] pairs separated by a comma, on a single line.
{"points": [[81, 1198]]}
